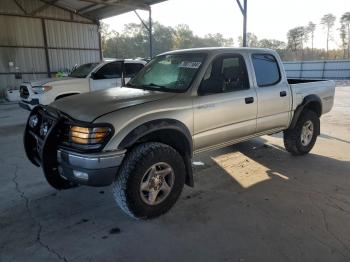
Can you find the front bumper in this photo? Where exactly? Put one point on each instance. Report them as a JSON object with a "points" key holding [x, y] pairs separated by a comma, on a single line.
{"points": [[29, 105], [41, 144], [89, 169]]}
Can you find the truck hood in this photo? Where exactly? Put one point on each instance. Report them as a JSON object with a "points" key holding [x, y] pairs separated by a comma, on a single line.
{"points": [[89, 106], [45, 81]]}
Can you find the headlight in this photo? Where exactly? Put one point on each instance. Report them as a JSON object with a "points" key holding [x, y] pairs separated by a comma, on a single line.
{"points": [[88, 135], [33, 121], [41, 89]]}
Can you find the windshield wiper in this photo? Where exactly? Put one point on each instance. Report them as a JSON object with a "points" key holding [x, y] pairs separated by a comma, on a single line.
{"points": [[155, 87], [151, 87]]}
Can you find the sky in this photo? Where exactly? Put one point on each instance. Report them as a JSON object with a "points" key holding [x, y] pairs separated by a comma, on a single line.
{"points": [[266, 18]]}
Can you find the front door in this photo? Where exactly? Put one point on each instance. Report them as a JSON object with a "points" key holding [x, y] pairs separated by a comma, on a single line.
{"points": [[226, 106]]}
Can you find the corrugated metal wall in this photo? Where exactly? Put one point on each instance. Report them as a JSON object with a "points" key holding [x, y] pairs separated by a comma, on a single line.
{"points": [[22, 41], [61, 59], [75, 35], [79, 45], [332, 69]]}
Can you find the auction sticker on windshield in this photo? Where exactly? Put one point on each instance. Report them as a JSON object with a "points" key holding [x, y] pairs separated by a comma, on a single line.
{"points": [[190, 64]]}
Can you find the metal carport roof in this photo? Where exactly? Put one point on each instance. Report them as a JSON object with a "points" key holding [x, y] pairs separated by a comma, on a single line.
{"points": [[101, 9]]}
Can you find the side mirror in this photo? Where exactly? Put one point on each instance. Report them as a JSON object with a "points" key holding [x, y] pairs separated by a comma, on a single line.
{"points": [[74, 67]]}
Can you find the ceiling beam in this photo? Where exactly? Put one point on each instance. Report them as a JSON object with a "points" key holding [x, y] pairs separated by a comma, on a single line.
{"points": [[72, 11], [119, 3], [85, 9], [20, 7], [43, 7]]}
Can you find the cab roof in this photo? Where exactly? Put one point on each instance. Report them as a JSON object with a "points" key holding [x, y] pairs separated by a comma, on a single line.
{"points": [[220, 50]]}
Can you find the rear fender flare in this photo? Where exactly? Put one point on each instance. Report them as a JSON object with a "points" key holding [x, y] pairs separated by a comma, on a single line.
{"points": [[306, 102]]}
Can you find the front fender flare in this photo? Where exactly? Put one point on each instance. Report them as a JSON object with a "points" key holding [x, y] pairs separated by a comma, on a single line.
{"points": [[163, 124]]}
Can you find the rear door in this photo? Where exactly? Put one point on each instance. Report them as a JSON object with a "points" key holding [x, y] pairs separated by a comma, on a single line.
{"points": [[109, 75], [273, 91], [226, 106]]}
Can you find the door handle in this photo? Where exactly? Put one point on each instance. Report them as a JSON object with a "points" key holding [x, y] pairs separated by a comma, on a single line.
{"points": [[249, 100], [283, 93]]}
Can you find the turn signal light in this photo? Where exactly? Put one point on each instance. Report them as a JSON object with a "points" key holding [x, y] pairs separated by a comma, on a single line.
{"points": [[88, 135]]}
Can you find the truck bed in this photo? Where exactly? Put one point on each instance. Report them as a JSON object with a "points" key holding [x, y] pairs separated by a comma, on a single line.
{"points": [[302, 81], [324, 89]]}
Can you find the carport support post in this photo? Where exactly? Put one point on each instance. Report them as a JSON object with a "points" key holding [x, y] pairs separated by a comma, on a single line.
{"points": [[150, 33], [244, 13], [149, 29], [43, 26]]}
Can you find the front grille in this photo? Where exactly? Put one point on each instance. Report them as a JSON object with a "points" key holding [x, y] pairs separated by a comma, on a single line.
{"points": [[42, 127], [23, 91]]}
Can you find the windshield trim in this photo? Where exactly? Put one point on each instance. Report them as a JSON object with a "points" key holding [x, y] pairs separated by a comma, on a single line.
{"points": [[166, 89]]}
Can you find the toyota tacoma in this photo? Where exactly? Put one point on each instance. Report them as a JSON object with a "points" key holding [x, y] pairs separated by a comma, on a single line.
{"points": [[141, 138]]}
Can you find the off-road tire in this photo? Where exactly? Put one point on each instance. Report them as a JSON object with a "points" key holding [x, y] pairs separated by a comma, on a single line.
{"points": [[126, 187], [292, 136]]}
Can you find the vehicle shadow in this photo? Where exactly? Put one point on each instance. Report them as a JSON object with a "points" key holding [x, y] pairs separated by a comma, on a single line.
{"points": [[271, 161], [334, 138]]}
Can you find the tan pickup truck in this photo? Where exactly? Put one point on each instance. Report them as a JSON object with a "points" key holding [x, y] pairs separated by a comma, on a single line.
{"points": [[141, 138]]}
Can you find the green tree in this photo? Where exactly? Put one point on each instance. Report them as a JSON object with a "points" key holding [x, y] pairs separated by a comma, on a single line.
{"points": [[311, 27], [272, 44], [345, 31], [295, 38], [213, 40], [105, 35], [252, 40], [328, 22], [163, 38], [183, 37]]}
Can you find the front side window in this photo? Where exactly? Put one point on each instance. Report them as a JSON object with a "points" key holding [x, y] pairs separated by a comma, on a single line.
{"points": [[225, 74], [266, 69], [169, 73], [83, 70], [109, 71], [131, 69]]}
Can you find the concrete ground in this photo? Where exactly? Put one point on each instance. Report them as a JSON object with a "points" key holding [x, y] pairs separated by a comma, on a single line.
{"points": [[251, 202]]}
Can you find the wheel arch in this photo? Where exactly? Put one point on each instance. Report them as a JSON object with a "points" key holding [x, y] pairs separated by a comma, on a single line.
{"points": [[167, 131], [311, 102]]}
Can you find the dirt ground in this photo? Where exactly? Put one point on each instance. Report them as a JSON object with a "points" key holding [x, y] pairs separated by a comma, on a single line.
{"points": [[251, 202]]}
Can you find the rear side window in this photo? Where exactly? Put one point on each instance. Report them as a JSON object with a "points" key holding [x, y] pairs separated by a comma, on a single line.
{"points": [[266, 70], [131, 69], [110, 71]]}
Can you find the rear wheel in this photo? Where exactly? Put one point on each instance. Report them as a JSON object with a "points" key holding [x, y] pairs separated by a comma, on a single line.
{"points": [[150, 180], [302, 138]]}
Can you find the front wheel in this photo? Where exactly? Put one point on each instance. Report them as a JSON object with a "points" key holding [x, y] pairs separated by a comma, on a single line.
{"points": [[149, 181], [302, 138]]}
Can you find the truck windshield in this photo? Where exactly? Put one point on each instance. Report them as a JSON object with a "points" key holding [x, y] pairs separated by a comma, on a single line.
{"points": [[83, 70], [169, 73]]}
